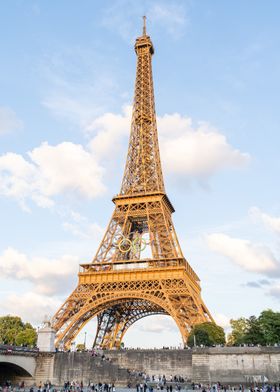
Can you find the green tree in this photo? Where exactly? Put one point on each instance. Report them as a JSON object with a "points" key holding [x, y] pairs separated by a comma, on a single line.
{"points": [[80, 347], [207, 334], [14, 331], [238, 334], [27, 337], [270, 326], [254, 332], [264, 329]]}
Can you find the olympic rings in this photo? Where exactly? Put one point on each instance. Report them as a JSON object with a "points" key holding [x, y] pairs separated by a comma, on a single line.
{"points": [[139, 244], [125, 245]]}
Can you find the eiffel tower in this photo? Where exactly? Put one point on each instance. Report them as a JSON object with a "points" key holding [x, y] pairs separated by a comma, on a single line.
{"points": [[139, 268]]}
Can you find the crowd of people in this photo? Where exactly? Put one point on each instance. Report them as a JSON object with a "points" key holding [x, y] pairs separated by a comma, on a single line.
{"points": [[218, 387], [162, 379], [149, 386]]}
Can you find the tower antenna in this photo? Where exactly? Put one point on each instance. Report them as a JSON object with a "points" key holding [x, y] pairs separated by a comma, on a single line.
{"points": [[144, 25]]}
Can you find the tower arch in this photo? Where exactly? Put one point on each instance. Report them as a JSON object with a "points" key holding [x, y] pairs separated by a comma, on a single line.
{"points": [[118, 313]]}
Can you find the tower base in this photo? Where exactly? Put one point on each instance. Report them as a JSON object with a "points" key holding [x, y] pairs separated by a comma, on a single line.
{"points": [[123, 294]]}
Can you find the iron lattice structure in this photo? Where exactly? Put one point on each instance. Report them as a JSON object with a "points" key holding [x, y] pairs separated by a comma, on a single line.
{"points": [[123, 284]]}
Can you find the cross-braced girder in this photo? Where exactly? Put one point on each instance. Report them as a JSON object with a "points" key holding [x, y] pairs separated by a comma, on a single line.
{"points": [[113, 322], [123, 283]]}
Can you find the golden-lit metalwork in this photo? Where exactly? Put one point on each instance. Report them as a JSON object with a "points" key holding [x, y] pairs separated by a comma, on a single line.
{"points": [[139, 269]]}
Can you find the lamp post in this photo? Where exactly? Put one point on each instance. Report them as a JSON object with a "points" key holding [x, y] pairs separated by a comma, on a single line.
{"points": [[85, 341]]}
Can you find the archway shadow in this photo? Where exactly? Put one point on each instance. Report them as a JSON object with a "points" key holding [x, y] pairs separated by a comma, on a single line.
{"points": [[12, 372]]}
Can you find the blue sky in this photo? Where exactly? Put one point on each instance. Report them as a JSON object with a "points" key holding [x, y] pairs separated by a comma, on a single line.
{"points": [[67, 75]]}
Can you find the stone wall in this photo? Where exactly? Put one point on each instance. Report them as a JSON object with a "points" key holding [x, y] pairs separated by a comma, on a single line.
{"points": [[44, 368], [122, 367], [234, 365], [154, 362], [86, 368], [228, 365]]}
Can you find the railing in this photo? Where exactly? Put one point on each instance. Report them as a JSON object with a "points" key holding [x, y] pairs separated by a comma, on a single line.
{"points": [[11, 349], [126, 265], [133, 264]]}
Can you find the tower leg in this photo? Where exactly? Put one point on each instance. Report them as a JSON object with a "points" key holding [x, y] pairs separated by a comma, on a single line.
{"points": [[119, 304]]}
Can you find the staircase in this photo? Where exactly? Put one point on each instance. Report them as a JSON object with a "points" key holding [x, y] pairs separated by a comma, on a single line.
{"points": [[44, 368], [200, 368], [82, 366]]}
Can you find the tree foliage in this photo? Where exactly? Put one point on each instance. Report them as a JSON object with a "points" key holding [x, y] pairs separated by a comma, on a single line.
{"points": [[270, 325], [80, 347], [263, 330], [239, 328], [206, 334], [14, 331]]}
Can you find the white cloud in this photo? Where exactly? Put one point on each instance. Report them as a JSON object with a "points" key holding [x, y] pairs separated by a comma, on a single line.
{"points": [[157, 324], [67, 166], [222, 320], [185, 150], [109, 130], [8, 120], [195, 151], [50, 170], [251, 257], [31, 307], [48, 276], [188, 151], [271, 222]]}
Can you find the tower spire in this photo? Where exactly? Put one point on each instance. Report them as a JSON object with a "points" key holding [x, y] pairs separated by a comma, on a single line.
{"points": [[144, 26], [143, 171]]}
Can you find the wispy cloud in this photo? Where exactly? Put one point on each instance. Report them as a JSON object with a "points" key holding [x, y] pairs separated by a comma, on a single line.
{"points": [[258, 283], [30, 306], [169, 16], [274, 291], [124, 17], [247, 255], [79, 85], [79, 226], [269, 221], [48, 276], [252, 256], [68, 108], [9, 120]]}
